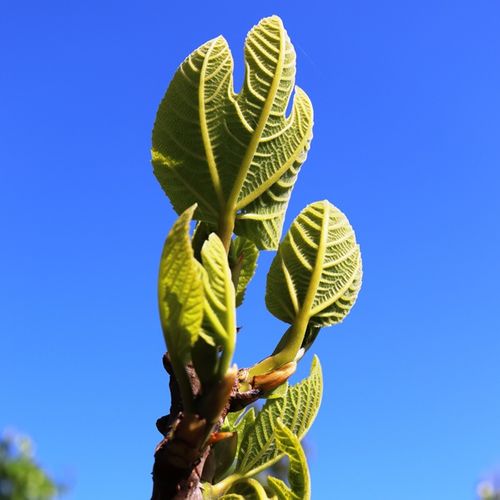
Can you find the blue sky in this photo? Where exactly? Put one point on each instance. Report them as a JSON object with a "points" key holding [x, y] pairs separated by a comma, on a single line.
{"points": [[406, 143]]}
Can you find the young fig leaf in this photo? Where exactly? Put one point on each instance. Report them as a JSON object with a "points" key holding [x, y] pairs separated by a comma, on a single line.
{"points": [[180, 290], [236, 155], [298, 472], [219, 322], [297, 409], [243, 256], [315, 276]]}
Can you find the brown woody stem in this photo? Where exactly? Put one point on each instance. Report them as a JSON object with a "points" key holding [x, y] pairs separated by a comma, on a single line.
{"points": [[180, 457]]}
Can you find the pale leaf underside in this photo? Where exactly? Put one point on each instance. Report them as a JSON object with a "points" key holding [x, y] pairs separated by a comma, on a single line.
{"points": [[298, 473], [317, 271], [297, 410], [219, 322], [243, 249], [236, 155], [180, 289]]}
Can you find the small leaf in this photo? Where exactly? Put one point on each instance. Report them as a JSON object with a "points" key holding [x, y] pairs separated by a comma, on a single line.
{"points": [[224, 455], [298, 473], [316, 275], [201, 233], [241, 425], [227, 450], [180, 290], [280, 488], [244, 256], [297, 410], [219, 322]]}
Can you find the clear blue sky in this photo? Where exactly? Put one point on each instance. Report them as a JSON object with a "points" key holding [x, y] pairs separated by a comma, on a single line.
{"points": [[406, 142]]}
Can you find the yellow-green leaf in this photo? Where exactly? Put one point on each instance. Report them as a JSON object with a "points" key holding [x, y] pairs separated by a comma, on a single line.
{"points": [[236, 155], [298, 472], [243, 255], [219, 322], [180, 290], [316, 274], [250, 489], [297, 410], [280, 488]]}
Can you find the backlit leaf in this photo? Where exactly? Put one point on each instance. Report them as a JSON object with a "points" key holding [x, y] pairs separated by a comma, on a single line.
{"points": [[316, 274], [180, 290], [244, 256], [236, 155], [250, 489], [219, 322], [297, 410], [298, 473]]}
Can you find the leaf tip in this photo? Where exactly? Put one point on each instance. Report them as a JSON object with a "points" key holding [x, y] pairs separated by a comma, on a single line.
{"points": [[315, 365]]}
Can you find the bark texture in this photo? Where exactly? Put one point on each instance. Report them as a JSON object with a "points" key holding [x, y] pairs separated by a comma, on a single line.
{"points": [[182, 457]]}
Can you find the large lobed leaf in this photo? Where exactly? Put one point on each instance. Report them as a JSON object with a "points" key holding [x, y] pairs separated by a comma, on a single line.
{"points": [[316, 274], [180, 290], [297, 410], [236, 155]]}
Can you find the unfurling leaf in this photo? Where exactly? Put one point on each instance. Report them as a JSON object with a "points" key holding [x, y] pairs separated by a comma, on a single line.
{"points": [[180, 290], [226, 451], [250, 489], [219, 322], [315, 277], [298, 473], [243, 255], [297, 410], [213, 352], [235, 155]]}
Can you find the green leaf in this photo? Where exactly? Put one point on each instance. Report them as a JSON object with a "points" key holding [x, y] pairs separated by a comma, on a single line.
{"points": [[180, 290], [298, 473], [279, 392], [219, 322], [239, 421], [227, 450], [250, 489], [201, 233], [280, 488], [316, 274], [224, 453], [236, 155], [297, 410], [232, 496], [244, 256]]}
